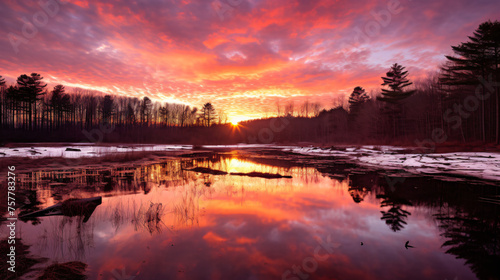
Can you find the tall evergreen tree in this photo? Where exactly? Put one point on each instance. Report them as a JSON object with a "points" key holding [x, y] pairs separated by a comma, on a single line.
{"points": [[67, 108], [145, 110], [208, 114], [2, 101], [32, 89], [475, 59], [13, 102], [164, 114], [396, 79], [360, 115], [107, 109], [358, 97], [56, 105], [90, 111]]}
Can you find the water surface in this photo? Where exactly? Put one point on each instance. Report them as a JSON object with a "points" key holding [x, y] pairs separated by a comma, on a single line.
{"points": [[162, 221]]}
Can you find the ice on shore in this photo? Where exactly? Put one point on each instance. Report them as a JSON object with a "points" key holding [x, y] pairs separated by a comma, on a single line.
{"points": [[85, 150], [481, 165]]}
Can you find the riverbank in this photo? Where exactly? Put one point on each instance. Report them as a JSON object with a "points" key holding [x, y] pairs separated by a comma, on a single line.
{"points": [[464, 165]]}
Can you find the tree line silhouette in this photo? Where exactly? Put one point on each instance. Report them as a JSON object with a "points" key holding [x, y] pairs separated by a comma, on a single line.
{"points": [[459, 103], [29, 106]]}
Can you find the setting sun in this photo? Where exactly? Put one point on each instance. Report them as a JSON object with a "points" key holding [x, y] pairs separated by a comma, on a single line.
{"points": [[236, 119]]}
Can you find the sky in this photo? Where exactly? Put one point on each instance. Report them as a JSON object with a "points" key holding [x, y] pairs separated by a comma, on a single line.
{"points": [[243, 56]]}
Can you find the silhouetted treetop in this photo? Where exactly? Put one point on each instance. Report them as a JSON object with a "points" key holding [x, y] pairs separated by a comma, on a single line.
{"points": [[396, 79], [357, 97], [477, 56], [208, 114]]}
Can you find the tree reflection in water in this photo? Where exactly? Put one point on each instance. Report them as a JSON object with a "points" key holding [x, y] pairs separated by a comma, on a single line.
{"points": [[474, 239], [133, 198], [396, 216]]}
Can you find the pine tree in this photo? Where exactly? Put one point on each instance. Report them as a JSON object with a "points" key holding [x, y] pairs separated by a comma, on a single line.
{"points": [[67, 107], [396, 79], [479, 57], [107, 109], [56, 104], [208, 114], [145, 110], [2, 101], [360, 113], [358, 97], [164, 114], [31, 89], [90, 111], [12, 101]]}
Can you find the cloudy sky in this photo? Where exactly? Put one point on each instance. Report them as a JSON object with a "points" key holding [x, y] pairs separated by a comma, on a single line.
{"points": [[241, 55]]}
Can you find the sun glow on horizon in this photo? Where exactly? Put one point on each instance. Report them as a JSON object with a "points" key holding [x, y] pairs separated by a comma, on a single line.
{"points": [[235, 120]]}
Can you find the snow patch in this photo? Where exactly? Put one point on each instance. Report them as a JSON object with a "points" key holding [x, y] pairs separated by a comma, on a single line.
{"points": [[475, 164], [85, 150]]}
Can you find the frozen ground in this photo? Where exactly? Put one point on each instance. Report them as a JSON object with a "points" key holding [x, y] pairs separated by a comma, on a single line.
{"points": [[474, 164], [91, 150], [86, 150]]}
